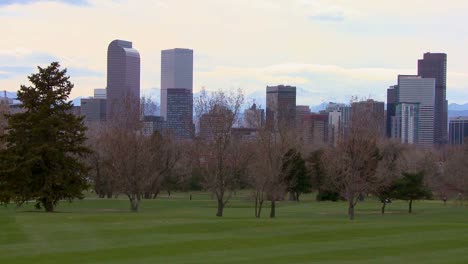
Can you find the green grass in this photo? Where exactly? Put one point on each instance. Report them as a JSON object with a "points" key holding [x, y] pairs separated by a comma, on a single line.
{"points": [[177, 230]]}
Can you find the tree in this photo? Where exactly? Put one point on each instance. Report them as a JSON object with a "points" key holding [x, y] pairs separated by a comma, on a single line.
{"points": [[411, 187], [45, 144], [352, 164], [388, 170], [296, 175], [217, 152]]}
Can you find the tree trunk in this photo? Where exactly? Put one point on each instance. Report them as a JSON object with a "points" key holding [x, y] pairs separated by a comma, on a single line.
{"points": [[273, 209], [219, 213], [48, 205], [410, 208], [109, 195], [297, 197], [383, 207], [155, 194], [134, 202], [351, 209]]}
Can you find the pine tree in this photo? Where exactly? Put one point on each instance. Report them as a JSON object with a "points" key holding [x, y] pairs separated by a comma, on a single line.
{"points": [[45, 144]]}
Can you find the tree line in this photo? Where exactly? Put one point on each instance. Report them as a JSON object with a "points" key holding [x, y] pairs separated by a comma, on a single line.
{"points": [[48, 154]]}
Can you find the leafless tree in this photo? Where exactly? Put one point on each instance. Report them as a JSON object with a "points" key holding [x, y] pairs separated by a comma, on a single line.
{"points": [[455, 174], [388, 170], [217, 150], [351, 166]]}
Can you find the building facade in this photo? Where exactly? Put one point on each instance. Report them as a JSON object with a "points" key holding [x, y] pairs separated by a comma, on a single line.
{"points": [[392, 98], [413, 89], [179, 114], [93, 109], [314, 130], [123, 81], [280, 107], [434, 65], [153, 124], [458, 130], [177, 91]]}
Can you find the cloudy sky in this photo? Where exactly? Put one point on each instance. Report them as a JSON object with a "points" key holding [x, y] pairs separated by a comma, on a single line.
{"points": [[331, 49]]}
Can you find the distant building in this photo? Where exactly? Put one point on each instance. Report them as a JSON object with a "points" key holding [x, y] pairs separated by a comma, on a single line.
{"points": [[215, 123], [281, 107], [392, 98], [254, 117], [100, 93], [179, 115], [123, 81], [314, 129], [334, 127], [152, 124], [244, 133], [301, 111], [177, 91], [93, 109], [374, 110], [413, 90], [458, 130], [434, 65]]}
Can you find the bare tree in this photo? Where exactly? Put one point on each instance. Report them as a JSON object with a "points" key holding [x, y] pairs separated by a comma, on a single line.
{"points": [[217, 151], [388, 170], [455, 174], [351, 166]]}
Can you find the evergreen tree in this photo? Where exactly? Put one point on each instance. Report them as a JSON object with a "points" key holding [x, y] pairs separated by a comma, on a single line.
{"points": [[45, 144], [411, 187], [296, 175]]}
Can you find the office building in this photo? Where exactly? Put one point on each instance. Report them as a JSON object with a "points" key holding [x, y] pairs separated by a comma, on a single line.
{"points": [[179, 114], [100, 93], [392, 98], [434, 65], [414, 90], [458, 130], [314, 130], [254, 117], [93, 109], [177, 91], [153, 124], [123, 81], [281, 107], [373, 111]]}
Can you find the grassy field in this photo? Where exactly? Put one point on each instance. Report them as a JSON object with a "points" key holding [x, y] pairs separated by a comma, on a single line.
{"points": [[177, 230]]}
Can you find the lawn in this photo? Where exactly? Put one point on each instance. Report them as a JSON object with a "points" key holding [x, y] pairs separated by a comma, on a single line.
{"points": [[176, 230]]}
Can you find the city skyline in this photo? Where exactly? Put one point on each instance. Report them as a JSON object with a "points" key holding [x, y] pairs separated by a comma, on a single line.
{"points": [[301, 43]]}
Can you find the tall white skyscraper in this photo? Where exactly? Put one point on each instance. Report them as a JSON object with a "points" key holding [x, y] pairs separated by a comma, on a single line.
{"points": [[177, 90], [415, 109]]}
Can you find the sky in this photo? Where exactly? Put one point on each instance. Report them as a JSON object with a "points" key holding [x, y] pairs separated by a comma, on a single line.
{"points": [[331, 50]]}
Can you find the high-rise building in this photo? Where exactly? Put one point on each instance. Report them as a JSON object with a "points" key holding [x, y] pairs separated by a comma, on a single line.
{"points": [[434, 65], [413, 90], [94, 109], [123, 81], [458, 130], [374, 110], [392, 98], [100, 93], [254, 117], [314, 130], [280, 107], [406, 122], [152, 124], [177, 91], [179, 115]]}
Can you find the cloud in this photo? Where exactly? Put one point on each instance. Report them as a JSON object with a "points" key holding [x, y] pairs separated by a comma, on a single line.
{"points": [[322, 10], [26, 2]]}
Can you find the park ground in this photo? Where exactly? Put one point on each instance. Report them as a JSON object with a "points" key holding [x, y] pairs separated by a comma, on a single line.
{"points": [[177, 230]]}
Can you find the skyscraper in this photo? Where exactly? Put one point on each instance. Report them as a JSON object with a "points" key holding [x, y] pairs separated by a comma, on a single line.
{"points": [[415, 107], [374, 110], [458, 130], [123, 81], [434, 65], [392, 98], [281, 106], [177, 91]]}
